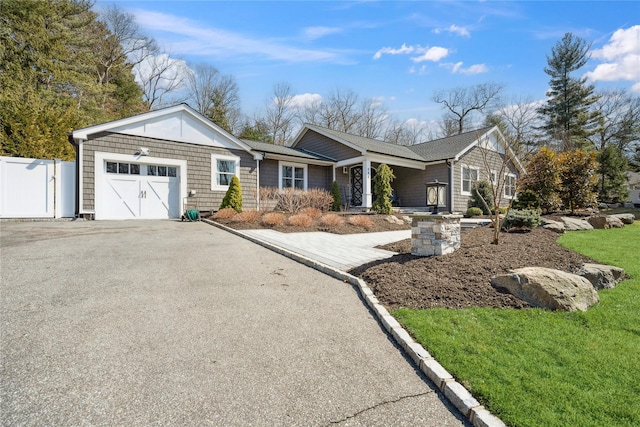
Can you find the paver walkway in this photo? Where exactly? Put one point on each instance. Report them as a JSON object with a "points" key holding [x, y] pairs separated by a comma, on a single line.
{"points": [[343, 252]]}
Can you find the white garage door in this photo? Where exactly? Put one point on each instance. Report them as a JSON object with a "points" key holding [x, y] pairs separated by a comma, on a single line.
{"points": [[138, 191]]}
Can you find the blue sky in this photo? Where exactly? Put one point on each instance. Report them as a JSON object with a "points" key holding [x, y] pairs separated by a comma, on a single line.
{"points": [[397, 52]]}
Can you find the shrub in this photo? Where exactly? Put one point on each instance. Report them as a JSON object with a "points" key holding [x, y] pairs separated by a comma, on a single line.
{"points": [[473, 211], [527, 199], [360, 221], [249, 217], [332, 220], [233, 196], [543, 178], [382, 189], [314, 213], [293, 201], [481, 190], [301, 220], [521, 219], [337, 197], [226, 213], [273, 218]]}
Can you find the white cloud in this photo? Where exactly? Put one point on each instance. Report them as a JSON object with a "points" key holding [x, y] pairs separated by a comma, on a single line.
{"points": [[461, 31], [305, 99], [458, 68], [192, 38], [317, 32], [434, 53], [621, 56], [404, 49]]}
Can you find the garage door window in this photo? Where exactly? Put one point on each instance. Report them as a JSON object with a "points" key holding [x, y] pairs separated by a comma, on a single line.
{"points": [[155, 170], [123, 168]]}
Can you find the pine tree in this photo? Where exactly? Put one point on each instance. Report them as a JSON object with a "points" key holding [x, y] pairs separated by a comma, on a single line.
{"points": [[382, 189], [568, 119], [337, 197]]}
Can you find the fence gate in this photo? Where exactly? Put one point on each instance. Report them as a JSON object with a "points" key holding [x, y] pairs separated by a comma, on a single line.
{"points": [[34, 188]]}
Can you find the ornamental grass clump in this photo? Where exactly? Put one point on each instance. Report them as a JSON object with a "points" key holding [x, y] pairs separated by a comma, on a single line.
{"points": [[273, 218], [248, 217], [360, 221], [226, 213], [332, 220], [314, 213], [301, 220]]}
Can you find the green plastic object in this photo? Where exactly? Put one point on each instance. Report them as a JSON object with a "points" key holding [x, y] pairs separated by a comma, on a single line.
{"points": [[192, 214]]}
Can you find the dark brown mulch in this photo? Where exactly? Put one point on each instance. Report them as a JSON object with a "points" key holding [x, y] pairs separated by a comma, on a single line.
{"points": [[379, 224], [461, 279]]}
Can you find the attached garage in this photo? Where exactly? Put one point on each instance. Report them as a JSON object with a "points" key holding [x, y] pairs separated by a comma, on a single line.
{"points": [[149, 166]]}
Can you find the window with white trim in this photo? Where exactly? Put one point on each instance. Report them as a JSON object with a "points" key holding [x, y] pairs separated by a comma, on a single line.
{"points": [[223, 168], [510, 185], [292, 175], [469, 176]]}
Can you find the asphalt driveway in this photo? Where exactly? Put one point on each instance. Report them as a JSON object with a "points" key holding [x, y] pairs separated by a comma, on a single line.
{"points": [[170, 323]]}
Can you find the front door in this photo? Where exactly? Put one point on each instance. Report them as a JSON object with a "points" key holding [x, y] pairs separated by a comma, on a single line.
{"points": [[356, 186]]}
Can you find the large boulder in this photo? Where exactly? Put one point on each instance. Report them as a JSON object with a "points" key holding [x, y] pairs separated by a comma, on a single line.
{"points": [[601, 276], [626, 218], [574, 224], [548, 288], [605, 221], [552, 225]]}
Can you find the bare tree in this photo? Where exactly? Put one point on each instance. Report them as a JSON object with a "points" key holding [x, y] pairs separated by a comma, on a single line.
{"points": [[340, 112], [201, 81], [520, 120], [461, 103], [372, 117], [160, 76], [619, 121], [127, 44], [280, 114]]}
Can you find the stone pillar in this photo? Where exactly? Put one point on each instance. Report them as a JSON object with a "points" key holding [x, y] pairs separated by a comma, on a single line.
{"points": [[434, 234]]}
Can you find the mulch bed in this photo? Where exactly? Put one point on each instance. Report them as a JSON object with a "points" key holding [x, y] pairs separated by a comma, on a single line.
{"points": [[462, 279]]}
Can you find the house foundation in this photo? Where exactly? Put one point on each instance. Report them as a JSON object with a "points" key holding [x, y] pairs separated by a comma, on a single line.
{"points": [[434, 234]]}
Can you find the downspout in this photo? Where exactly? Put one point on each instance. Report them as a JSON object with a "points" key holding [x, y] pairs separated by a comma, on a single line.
{"points": [[76, 148], [257, 184], [451, 183]]}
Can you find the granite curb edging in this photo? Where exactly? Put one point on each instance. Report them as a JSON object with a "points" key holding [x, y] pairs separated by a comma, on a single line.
{"points": [[455, 392]]}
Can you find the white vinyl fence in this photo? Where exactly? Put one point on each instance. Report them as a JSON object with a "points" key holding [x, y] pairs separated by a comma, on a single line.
{"points": [[33, 188]]}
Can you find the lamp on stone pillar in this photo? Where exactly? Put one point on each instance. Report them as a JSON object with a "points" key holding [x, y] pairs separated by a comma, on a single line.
{"points": [[436, 195]]}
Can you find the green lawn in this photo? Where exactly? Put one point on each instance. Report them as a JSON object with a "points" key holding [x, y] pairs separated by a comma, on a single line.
{"points": [[540, 368]]}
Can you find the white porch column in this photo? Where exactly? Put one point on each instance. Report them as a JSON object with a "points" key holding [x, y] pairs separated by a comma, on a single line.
{"points": [[367, 201]]}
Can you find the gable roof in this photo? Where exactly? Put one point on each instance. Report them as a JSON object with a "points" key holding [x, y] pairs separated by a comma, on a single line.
{"points": [[361, 144], [178, 123], [283, 151], [450, 147]]}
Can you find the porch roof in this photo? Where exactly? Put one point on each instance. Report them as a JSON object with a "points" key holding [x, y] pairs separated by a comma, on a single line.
{"points": [[282, 150]]}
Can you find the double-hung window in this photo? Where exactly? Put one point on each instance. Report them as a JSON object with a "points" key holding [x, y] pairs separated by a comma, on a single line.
{"points": [[469, 176], [510, 185], [293, 175], [223, 168]]}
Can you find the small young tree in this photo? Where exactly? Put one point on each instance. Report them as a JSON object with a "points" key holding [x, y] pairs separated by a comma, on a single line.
{"points": [[482, 197], [382, 187], [233, 196], [612, 186], [578, 179], [543, 178], [337, 197]]}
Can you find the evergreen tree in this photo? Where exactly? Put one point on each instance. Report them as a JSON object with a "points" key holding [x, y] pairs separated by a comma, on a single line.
{"points": [[543, 179], [337, 197], [578, 179], [233, 196], [613, 182], [382, 189], [568, 119]]}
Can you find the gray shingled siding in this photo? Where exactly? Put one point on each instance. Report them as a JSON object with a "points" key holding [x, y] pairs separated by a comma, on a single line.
{"points": [[410, 183], [474, 159], [269, 173], [316, 143], [319, 177], [198, 159]]}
